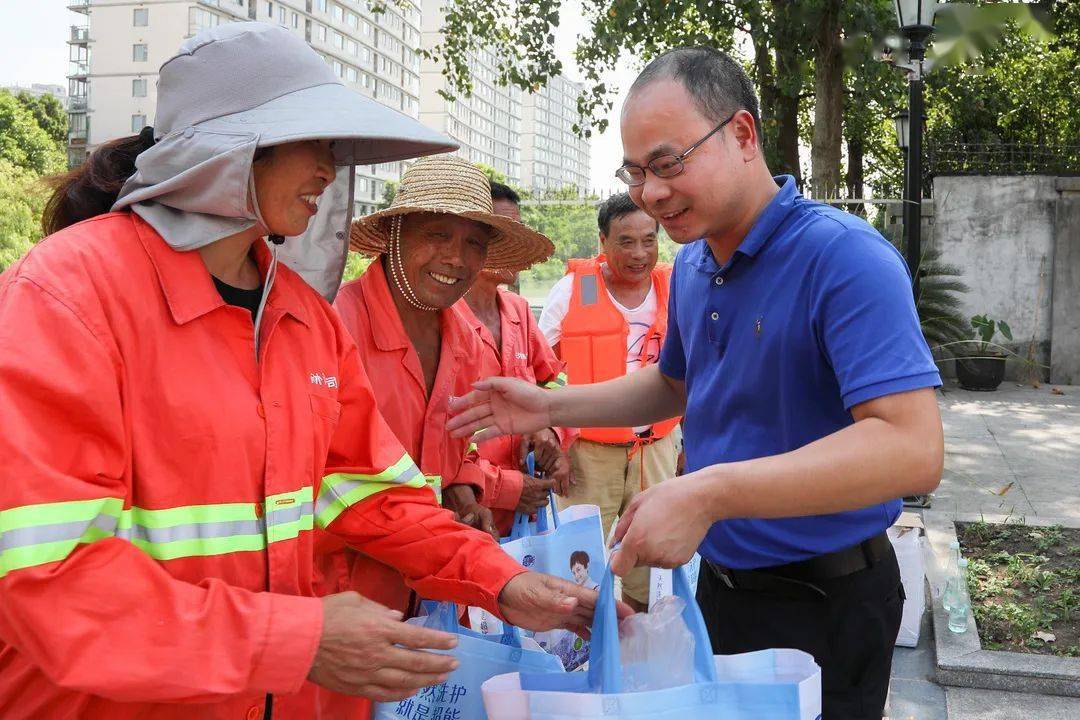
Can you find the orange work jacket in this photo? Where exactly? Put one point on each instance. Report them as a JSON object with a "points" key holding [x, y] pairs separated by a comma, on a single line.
{"points": [[524, 354], [594, 333], [367, 310], [159, 485]]}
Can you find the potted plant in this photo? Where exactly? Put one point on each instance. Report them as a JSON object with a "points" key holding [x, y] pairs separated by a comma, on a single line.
{"points": [[981, 366]]}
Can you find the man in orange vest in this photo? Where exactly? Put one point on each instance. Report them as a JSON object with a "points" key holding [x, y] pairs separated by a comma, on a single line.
{"points": [[607, 317]]}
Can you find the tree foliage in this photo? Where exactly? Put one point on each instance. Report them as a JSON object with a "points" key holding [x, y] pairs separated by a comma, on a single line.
{"points": [[1022, 89], [23, 142], [49, 114], [22, 199], [27, 152]]}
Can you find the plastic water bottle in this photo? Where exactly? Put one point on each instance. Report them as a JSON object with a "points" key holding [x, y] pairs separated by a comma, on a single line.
{"points": [[951, 569], [956, 599]]}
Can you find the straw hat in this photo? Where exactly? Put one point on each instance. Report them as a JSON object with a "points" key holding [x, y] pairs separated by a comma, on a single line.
{"points": [[448, 184]]}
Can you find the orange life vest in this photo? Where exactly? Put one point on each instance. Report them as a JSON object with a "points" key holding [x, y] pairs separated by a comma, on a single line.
{"points": [[593, 339]]}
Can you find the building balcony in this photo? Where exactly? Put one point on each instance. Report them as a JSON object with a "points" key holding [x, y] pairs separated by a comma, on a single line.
{"points": [[77, 103], [78, 68], [79, 6], [80, 35]]}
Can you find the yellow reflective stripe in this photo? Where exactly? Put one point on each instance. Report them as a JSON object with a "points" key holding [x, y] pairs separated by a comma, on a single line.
{"points": [[557, 382], [341, 490], [289, 514], [48, 532], [33, 535], [435, 483]]}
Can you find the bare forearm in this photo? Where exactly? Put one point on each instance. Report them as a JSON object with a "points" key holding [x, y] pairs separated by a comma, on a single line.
{"points": [[640, 398], [866, 463]]}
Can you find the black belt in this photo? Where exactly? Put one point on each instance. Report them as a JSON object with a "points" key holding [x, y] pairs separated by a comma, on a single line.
{"points": [[804, 573]]}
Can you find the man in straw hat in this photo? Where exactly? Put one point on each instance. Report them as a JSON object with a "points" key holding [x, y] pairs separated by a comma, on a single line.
{"points": [[182, 423], [515, 347]]}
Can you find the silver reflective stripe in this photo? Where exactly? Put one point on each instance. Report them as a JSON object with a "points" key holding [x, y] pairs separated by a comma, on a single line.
{"points": [[289, 514], [589, 290], [57, 532], [198, 531], [345, 487]]}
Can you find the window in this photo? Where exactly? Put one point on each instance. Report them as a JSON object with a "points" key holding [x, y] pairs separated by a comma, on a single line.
{"points": [[141, 17], [295, 20], [281, 14], [138, 122], [339, 40], [138, 88], [354, 20], [200, 19], [320, 5], [336, 12], [139, 53], [270, 10], [320, 32], [350, 73], [350, 45]]}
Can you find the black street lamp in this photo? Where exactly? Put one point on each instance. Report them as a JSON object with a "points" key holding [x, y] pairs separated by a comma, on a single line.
{"points": [[916, 21], [903, 133]]}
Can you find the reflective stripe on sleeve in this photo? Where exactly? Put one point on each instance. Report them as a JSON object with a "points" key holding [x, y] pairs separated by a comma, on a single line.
{"points": [[557, 382], [49, 532], [341, 490]]}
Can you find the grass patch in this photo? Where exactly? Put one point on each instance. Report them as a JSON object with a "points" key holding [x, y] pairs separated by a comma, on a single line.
{"points": [[1024, 583]]}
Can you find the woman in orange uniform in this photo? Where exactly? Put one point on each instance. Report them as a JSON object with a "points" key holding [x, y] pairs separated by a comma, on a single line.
{"points": [[179, 412]]}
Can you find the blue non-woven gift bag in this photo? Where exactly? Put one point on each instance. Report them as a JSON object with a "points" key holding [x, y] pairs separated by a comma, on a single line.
{"points": [[770, 684], [567, 544], [481, 657]]}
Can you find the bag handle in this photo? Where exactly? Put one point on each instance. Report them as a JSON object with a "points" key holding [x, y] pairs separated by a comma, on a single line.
{"points": [[605, 663], [444, 616], [522, 528]]}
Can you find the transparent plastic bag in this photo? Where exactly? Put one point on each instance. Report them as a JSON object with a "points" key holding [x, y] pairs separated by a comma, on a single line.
{"points": [[657, 648]]}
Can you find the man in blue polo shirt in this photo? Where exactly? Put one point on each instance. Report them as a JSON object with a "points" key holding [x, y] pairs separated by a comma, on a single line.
{"points": [[794, 354]]}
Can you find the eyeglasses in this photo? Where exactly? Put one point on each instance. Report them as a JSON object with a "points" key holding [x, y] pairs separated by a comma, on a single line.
{"points": [[665, 166]]}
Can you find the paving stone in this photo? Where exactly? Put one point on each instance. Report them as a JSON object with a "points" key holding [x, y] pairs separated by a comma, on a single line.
{"points": [[976, 704]]}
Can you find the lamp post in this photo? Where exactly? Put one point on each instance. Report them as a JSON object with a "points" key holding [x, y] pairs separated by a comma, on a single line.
{"points": [[916, 21]]}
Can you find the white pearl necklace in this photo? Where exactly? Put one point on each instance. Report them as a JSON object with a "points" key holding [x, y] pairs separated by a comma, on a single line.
{"points": [[397, 268]]}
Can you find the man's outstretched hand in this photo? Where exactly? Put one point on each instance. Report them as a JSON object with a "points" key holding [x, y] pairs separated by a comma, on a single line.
{"points": [[539, 602], [500, 406]]}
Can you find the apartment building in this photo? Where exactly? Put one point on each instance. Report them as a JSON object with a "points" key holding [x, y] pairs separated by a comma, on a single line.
{"points": [[552, 155], [115, 55]]}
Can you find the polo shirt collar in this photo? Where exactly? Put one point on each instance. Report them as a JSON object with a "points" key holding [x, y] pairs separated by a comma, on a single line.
{"points": [[189, 288], [763, 228]]}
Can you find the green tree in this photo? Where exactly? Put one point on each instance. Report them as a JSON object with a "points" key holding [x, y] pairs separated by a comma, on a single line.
{"points": [[49, 114], [1021, 89], [22, 199], [23, 142]]}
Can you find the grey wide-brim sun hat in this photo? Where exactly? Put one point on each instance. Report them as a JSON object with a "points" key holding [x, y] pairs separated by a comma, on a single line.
{"points": [[241, 86]]}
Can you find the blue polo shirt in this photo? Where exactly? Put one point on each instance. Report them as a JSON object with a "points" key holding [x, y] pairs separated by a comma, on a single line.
{"points": [[812, 315]]}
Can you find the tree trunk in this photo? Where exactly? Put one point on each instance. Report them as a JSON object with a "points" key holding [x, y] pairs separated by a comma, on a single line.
{"points": [[788, 88], [855, 148], [825, 151]]}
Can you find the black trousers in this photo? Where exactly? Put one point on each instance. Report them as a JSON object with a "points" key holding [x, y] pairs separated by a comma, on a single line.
{"points": [[848, 624]]}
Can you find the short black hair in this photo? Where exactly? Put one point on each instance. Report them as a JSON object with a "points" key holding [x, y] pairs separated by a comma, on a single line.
{"points": [[614, 207], [718, 84], [504, 192], [579, 557]]}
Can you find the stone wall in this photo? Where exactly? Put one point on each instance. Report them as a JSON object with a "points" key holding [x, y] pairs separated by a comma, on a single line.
{"points": [[1018, 242]]}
